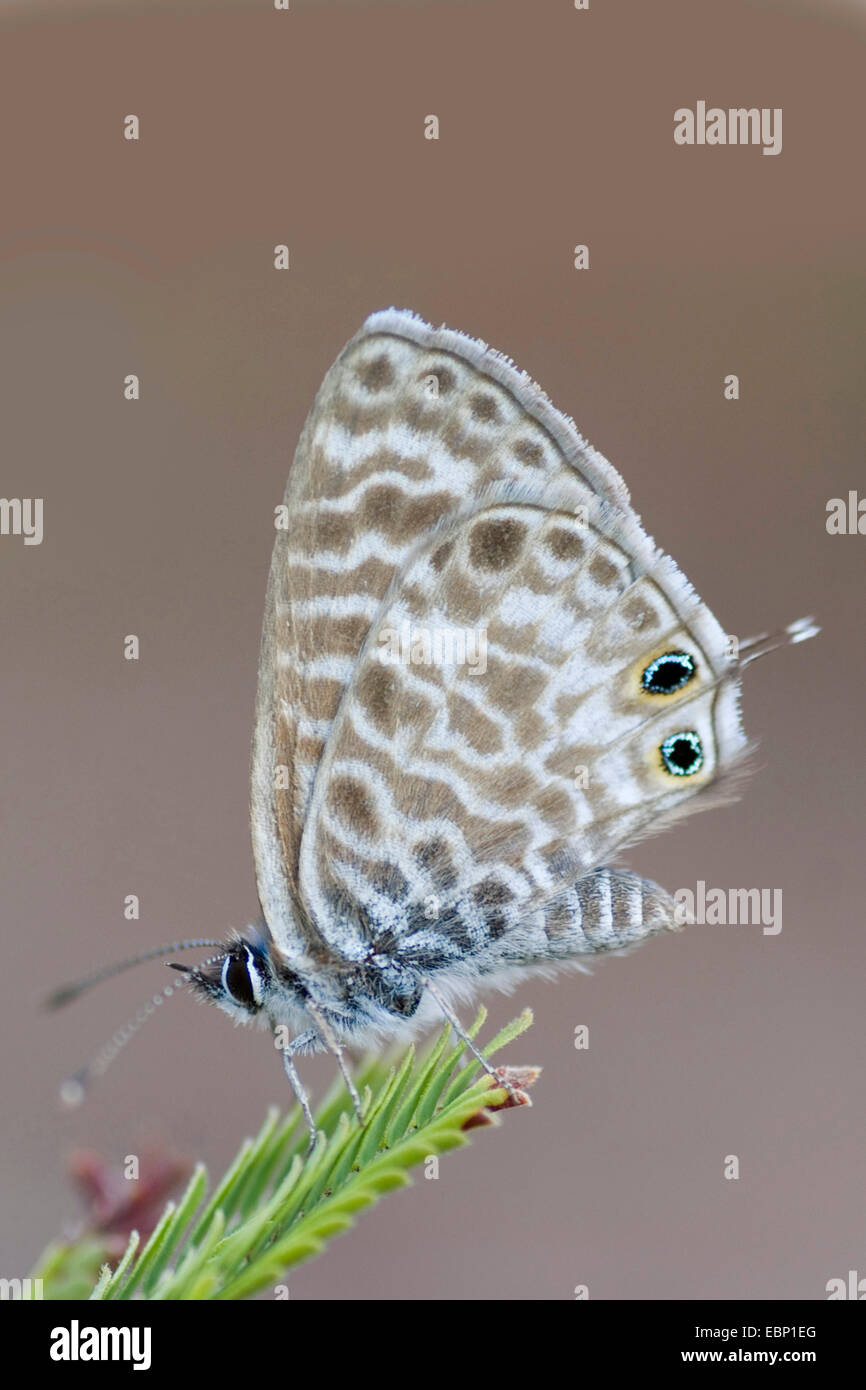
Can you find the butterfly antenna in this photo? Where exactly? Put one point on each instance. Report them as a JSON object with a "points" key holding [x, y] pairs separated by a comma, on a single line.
{"points": [[66, 993], [74, 1089], [753, 647]]}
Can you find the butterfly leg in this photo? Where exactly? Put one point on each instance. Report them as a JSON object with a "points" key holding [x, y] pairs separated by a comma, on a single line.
{"points": [[464, 1037], [334, 1046], [297, 1045]]}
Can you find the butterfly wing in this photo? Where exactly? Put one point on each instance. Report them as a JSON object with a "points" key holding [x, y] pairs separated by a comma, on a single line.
{"points": [[409, 423], [467, 806]]}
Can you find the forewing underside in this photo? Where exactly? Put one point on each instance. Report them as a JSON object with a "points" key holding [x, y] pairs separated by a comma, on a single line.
{"points": [[410, 423]]}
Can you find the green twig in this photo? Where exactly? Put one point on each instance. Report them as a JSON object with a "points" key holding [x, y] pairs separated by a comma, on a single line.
{"points": [[273, 1209]]}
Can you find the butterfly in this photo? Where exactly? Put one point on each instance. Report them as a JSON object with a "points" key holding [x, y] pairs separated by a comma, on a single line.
{"points": [[424, 824]]}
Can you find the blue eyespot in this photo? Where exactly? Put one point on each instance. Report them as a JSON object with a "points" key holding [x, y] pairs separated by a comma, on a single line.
{"points": [[668, 673], [682, 754]]}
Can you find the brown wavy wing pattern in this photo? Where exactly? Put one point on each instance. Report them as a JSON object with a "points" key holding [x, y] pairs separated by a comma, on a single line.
{"points": [[454, 801], [410, 423]]}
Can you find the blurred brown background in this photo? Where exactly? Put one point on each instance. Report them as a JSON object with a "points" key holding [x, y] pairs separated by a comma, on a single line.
{"points": [[156, 258]]}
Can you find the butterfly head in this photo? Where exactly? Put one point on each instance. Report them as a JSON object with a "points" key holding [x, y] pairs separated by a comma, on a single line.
{"points": [[243, 977], [238, 980]]}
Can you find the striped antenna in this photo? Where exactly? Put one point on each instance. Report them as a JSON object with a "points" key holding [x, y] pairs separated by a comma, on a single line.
{"points": [[67, 993], [74, 1089]]}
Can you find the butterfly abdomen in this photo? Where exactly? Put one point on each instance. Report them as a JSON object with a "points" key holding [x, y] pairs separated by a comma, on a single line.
{"points": [[606, 910]]}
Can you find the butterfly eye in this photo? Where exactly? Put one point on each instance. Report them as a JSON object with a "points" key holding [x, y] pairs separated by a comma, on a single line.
{"points": [[668, 673], [239, 981], [682, 754]]}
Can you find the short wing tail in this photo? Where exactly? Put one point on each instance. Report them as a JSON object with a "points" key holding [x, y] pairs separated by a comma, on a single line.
{"points": [[799, 631]]}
